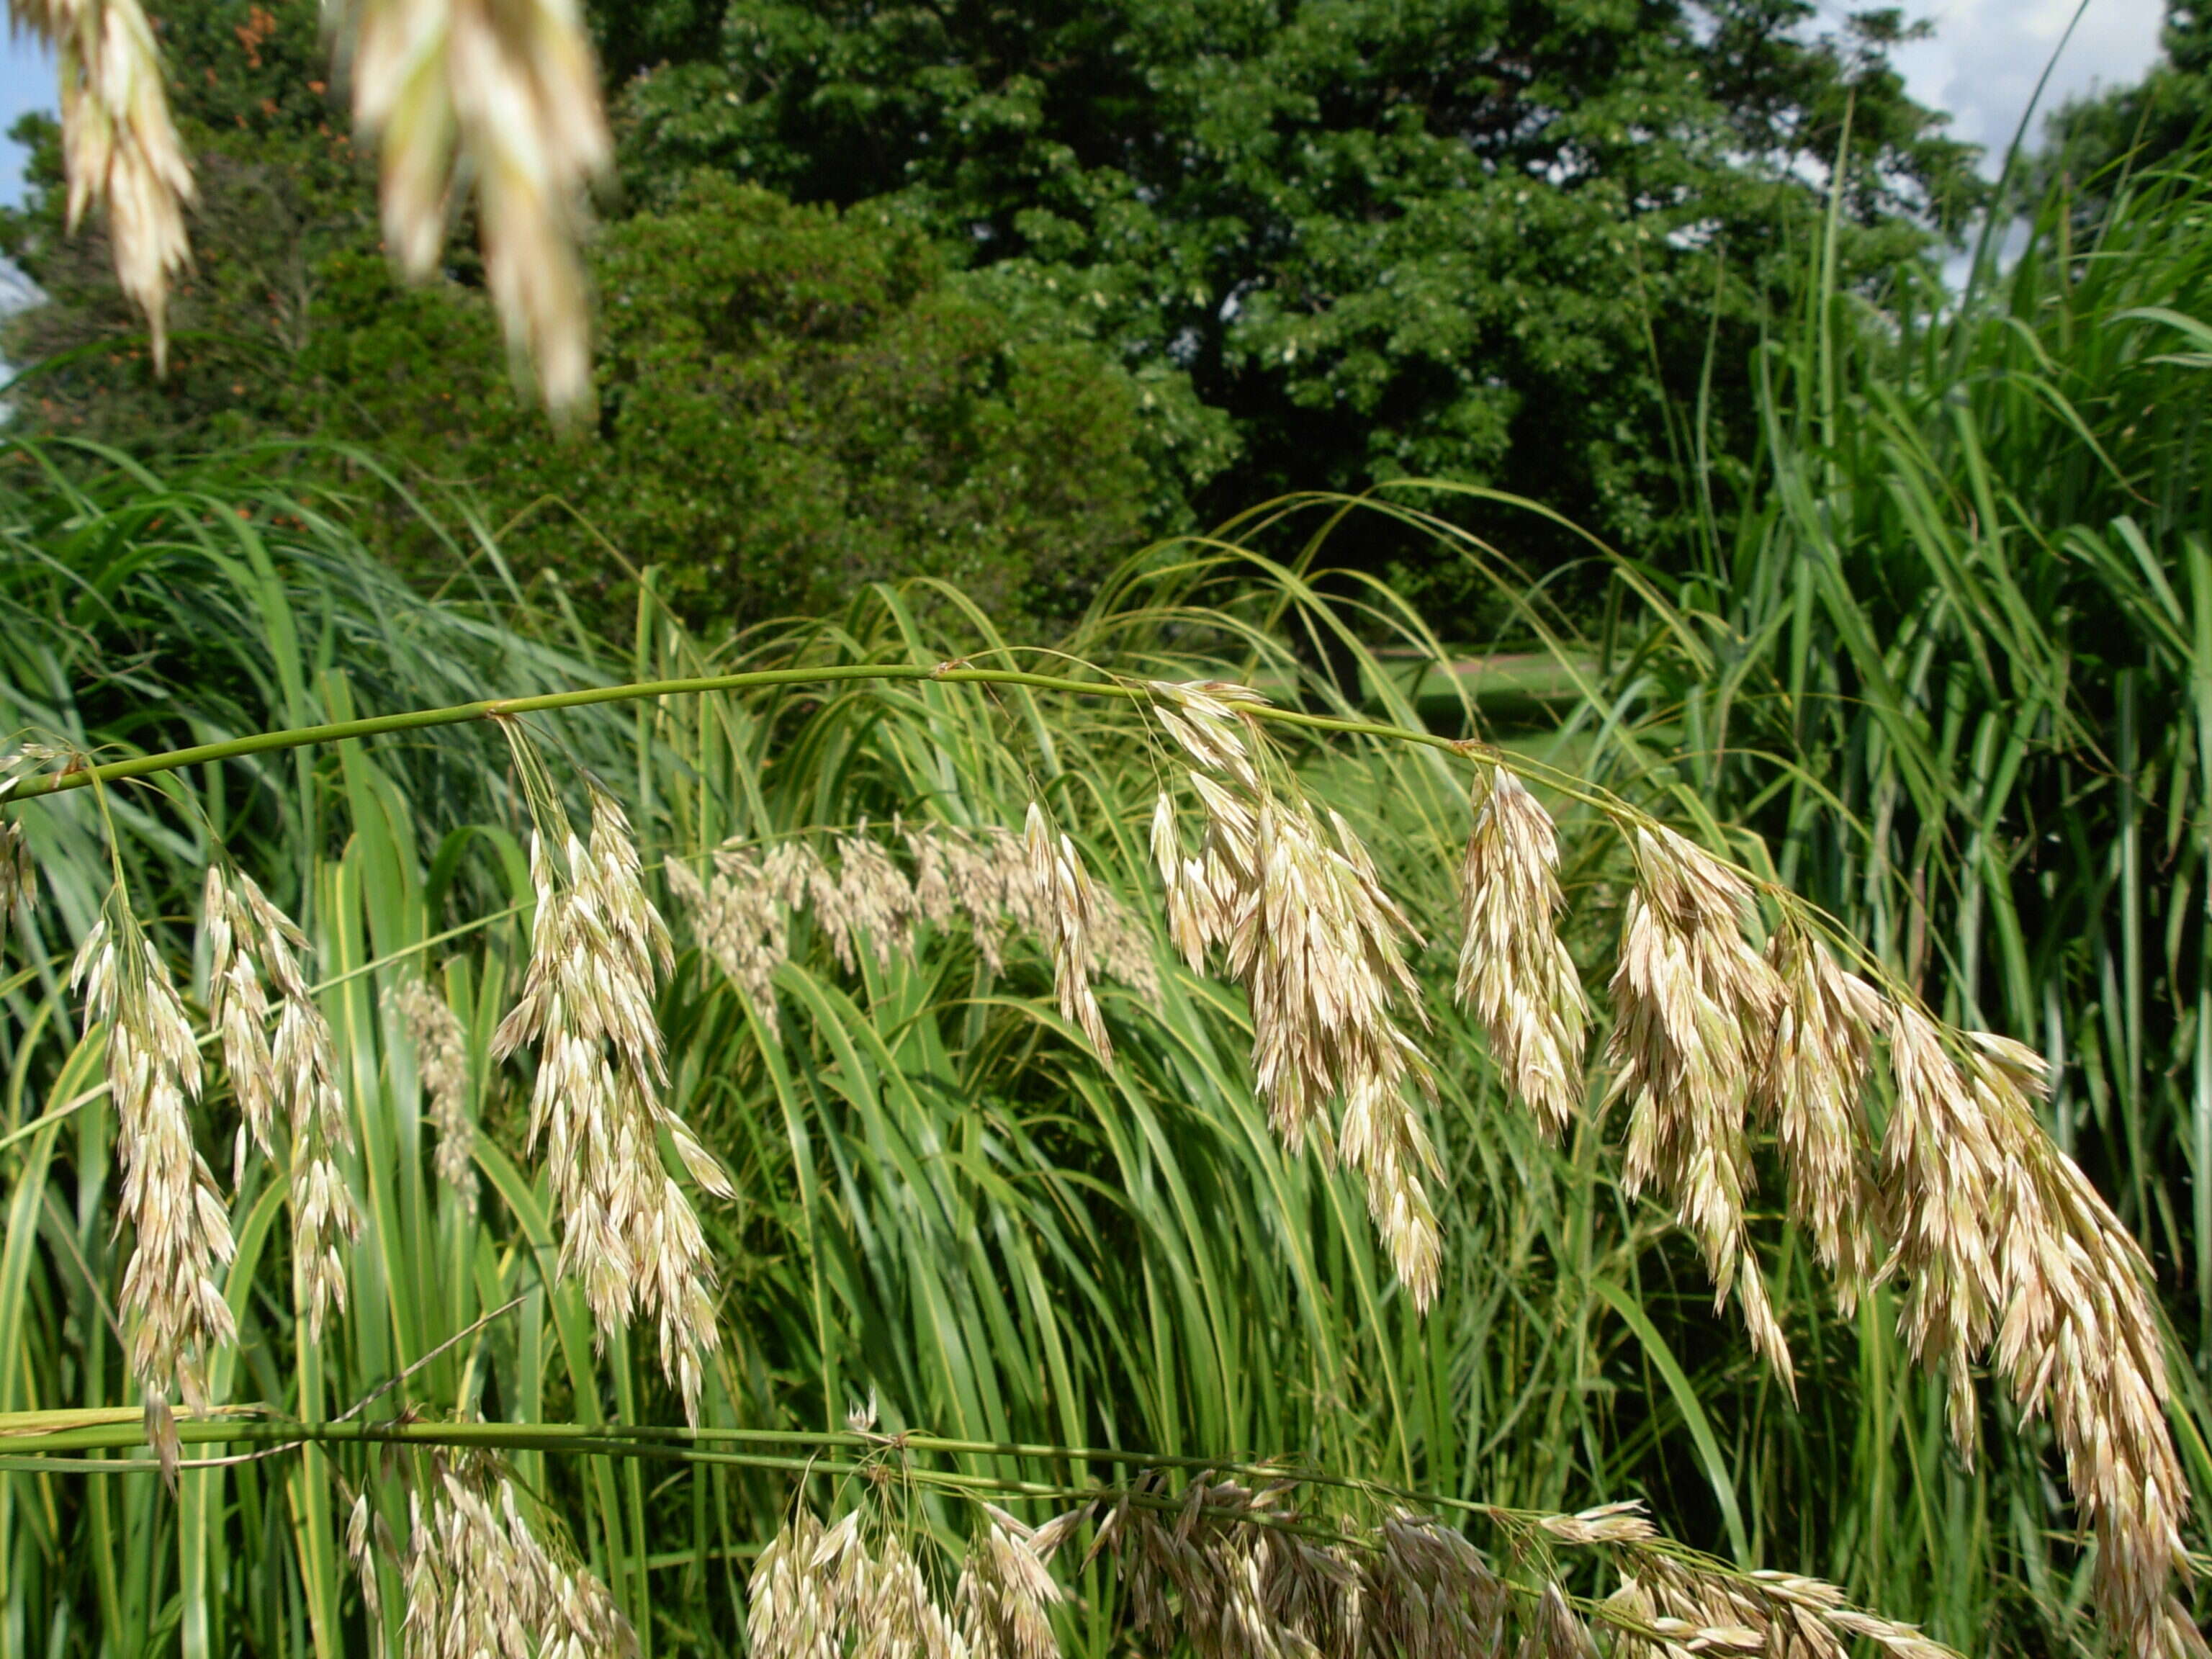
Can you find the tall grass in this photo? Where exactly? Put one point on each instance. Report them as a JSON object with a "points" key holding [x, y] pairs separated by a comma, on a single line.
{"points": [[941, 1206], [1958, 628]]}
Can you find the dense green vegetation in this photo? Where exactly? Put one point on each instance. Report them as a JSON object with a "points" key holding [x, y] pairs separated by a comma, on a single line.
{"points": [[1912, 606]]}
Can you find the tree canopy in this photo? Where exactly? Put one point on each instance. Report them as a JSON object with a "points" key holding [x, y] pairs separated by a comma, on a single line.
{"points": [[1121, 266]]}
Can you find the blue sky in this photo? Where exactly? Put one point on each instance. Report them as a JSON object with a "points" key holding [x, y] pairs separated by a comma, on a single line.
{"points": [[1981, 66], [26, 82]]}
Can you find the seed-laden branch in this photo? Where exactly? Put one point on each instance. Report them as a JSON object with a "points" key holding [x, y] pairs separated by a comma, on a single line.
{"points": [[1238, 1560], [1734, 1011]]}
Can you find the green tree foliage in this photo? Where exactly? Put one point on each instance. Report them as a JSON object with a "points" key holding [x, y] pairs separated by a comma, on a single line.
{"points": [[792, 401], [2150, 123], [1486, 240]]}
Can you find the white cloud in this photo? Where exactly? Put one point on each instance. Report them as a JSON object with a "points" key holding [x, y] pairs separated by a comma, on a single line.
{"points": [[1986, 55]]}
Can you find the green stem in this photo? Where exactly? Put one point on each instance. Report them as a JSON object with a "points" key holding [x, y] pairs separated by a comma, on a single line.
{"points": [[262, 743]]}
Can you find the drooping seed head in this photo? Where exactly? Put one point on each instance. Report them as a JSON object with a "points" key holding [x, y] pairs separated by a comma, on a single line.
{"points": [[119, 147], [1808, 1090], [505, 95], [1514, 972], [175, 1310], [1694, 1007]]}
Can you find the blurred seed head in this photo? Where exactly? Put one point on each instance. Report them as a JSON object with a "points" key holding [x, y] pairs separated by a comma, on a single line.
{"points": [[983, 879], [119, 148], [18, 875], [502, 94], [442, 1063]]}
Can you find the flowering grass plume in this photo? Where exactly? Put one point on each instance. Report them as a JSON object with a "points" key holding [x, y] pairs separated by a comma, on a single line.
{"points": [[1237, 1571], [2008, 1239], [1514, 972], [1071, 916], [983, 879], [1809, 1093], [480, 1584], [854, 1587], [1691, 1002], [250, 940], [1292, 900], [119, 148], [175, 1309], [1674, 1605], [503, 94], [628, 1232], [442, 1061]]}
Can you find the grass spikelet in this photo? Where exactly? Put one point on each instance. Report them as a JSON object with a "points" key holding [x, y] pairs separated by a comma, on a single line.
{"points": [[739, 923], [1514, 972], [1070, 917], [1693, 1005], [1429, 1595], [629, 1233], [1316, 941], [251, 940], [1808, 1090], [1939, 1169], [792, 1615], [1607, 1524], [119, 147], [175, 1308], [503, 93], [442, 1061], [358, 1551], [904, 1620], [480, 1581], [1005, 1593], [18, 876], [2079, 1339], [1555, 1631]]}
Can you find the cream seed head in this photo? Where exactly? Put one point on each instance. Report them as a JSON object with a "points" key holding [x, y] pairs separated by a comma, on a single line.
{"points": [[119, 147], [1940, 1170], [442, 1063], [252, 940], [739, 924], [503, 93], [629, 1233], [1809, 1090], [175, 1309], [1070, 915], [982, 878], [480, 1584], [1693, 1003], [873, 899], [2078, 1337], [1514, 972], [1004, 1594], [1293, 900]]}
